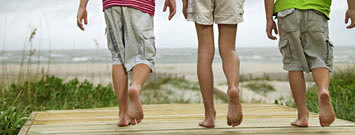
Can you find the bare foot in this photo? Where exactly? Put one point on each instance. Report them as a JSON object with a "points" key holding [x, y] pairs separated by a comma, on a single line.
{"points": [[301, 121], [235, 114], [209, 120], [124, 120], [135, 107], [326, 111]]}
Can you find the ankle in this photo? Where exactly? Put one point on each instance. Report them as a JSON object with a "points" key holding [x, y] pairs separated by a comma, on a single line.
{"points": [[210, 113], [323, 91], [302, 114], [123, 114], [233, 90]]}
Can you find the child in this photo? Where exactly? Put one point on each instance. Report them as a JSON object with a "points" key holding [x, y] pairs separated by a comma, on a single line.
{"points": [[130, 39], [305, 47], [227, 14]]}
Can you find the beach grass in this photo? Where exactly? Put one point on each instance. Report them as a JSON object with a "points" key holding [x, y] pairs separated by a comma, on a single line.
{"points": [[261, 87]]}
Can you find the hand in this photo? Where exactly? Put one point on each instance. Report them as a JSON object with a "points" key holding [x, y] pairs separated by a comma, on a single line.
{"points": [[184, 8], [350, 14], [172, 8], [270, 25], [82, 15]]}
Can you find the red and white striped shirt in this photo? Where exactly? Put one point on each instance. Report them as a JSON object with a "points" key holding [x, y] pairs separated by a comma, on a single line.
{"points": [[147, 6]]}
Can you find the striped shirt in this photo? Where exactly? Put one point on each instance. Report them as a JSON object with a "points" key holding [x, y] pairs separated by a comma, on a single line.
{"points": [[147, 6]]}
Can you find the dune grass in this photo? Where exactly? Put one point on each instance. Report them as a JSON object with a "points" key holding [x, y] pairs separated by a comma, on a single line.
{"points": [[261, 87]]}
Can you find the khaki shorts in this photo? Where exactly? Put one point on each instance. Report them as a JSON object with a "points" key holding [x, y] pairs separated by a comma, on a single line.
{"points": [[206, 12], [130, 37], [304, 40]]}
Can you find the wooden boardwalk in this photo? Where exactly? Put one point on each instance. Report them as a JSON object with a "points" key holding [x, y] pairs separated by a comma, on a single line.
{"points": [[179, 119]]}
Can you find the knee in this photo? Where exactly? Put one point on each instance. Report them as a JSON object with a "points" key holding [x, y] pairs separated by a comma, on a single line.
{"points": [[206, 53], [227, 52]]}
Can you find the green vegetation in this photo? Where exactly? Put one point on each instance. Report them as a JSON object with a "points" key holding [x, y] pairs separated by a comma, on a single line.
{"points": [[287, 102], [260, 87], [342, 92], [11, 119]]}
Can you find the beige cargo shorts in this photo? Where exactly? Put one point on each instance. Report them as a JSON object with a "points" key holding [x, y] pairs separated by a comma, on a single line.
{"points": [[130, 37], [206, 12], [304, 40]]}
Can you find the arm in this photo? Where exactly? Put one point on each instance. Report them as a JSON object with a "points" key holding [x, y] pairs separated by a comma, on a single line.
{"points": [[270, 23], [350, 14], [184, 8], [172, 8], [82, 14]]}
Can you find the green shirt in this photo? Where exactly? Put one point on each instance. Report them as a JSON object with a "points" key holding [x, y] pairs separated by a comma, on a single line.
{"points": [[319, 5]]}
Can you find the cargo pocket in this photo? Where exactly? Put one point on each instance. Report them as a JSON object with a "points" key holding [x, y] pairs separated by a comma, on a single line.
{"points": [[285, 51], [149, 49], [317, 21], [330, 47], [287, 21]]}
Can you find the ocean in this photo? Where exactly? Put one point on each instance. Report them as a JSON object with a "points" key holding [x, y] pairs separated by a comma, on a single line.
{"points": [[164, 56]]}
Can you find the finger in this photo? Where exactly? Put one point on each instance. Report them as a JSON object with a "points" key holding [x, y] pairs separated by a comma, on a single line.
{"points": [[165, 7], [352, 25], [172, 13], [86, 20], [80, 25], [346, 18], [269, 34], [276, 31]]}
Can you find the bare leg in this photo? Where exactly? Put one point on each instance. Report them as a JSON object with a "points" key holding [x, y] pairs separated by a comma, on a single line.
{"points": [[298, 87], [140, 74], [230, 61], [204, 72], [326, 111], [120, 84]]}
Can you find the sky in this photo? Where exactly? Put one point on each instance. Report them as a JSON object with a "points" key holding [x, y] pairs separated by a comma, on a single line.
{"points": [[55, 21]]}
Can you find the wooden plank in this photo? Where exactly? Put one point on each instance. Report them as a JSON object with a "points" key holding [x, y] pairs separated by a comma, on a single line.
{"points": [[24, 129], [181, 119], [239, 130]]}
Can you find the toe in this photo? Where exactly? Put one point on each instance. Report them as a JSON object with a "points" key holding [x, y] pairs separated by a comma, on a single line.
{"points": [[139, 121], [229, 124], [200, 123], [133, 121]]}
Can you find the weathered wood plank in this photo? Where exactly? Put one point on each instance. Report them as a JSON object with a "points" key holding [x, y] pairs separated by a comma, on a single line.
{"points": [[181, 119], [24, 130]]}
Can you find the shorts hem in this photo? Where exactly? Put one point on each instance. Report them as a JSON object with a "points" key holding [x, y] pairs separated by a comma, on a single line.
{"points": [[116, 63], [217, 20], [327, 67], [149, 64]]}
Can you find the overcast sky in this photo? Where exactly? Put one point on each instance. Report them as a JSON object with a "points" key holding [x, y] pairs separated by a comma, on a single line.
{"points": [[56, 22]]}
